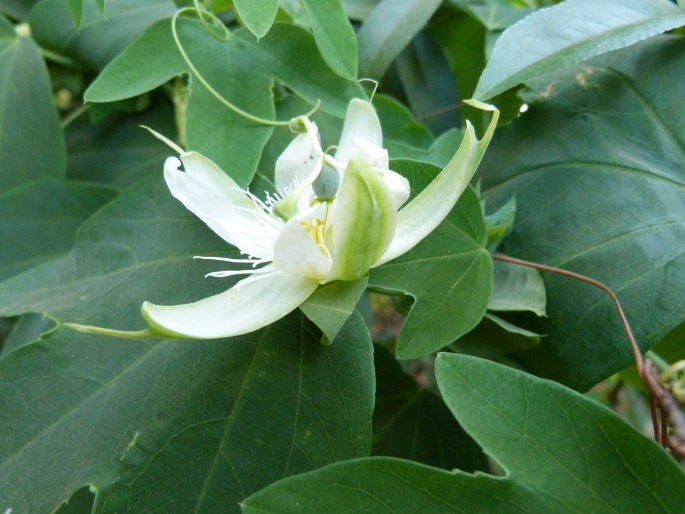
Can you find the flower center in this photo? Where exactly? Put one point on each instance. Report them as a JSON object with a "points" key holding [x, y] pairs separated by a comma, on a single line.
{"points": [[320, 230]]}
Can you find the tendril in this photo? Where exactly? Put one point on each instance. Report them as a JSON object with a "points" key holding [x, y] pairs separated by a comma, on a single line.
{"points": [[208, 87], [375, 85]]}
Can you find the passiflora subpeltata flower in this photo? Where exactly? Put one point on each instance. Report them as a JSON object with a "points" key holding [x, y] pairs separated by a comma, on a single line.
{"points": [[333, 217]]}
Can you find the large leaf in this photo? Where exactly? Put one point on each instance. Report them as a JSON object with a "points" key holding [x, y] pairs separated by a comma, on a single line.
{"points": [[555, 440], [242, 70], [100, 37], [28, 119], [334, 36], [387, 30], [556, 446], [41, 218], [449, 273], [571, 32], [599, 182], [168, 425]]}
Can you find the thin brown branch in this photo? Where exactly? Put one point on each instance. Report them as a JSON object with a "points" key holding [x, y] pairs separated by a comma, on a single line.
{"points": [[661, 401], [438, 112]]}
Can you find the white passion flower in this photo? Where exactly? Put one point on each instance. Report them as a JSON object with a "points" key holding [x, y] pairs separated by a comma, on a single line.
{"points": [[295, 240], [333, 218]]}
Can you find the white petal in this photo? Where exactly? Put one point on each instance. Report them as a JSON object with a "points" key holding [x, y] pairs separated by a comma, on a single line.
{"points": [[373, 155], [398, 186], [299, 161], [252, 304], [425, 212], [364, 220], [362, 124], [217, 200], [296, 251]]}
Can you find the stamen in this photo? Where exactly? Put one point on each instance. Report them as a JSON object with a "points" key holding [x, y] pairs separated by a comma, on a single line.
{"points": [[231, 273], [254, 277], [324, 250], [250, 260]]}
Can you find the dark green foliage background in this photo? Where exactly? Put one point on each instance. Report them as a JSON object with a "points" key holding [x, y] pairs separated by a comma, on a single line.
{"points": [[274, 421]]}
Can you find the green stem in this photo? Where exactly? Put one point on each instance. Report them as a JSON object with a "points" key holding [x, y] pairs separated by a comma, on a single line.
{"points": [[131, 334], [659, 362], [180, 101], [57, 58], [73, 115]]}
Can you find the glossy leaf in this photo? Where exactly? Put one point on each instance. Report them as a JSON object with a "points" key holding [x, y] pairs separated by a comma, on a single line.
{"points": [[573, 31], [172, 425], [540, 433], [334, 36], [584, 205], [387, 30], [259, 16], [28, 119], [451, 297], [100, 37]]}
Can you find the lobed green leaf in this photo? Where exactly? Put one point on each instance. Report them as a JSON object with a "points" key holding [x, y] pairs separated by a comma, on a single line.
{"points": [[539, 431], [449, 273]]}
